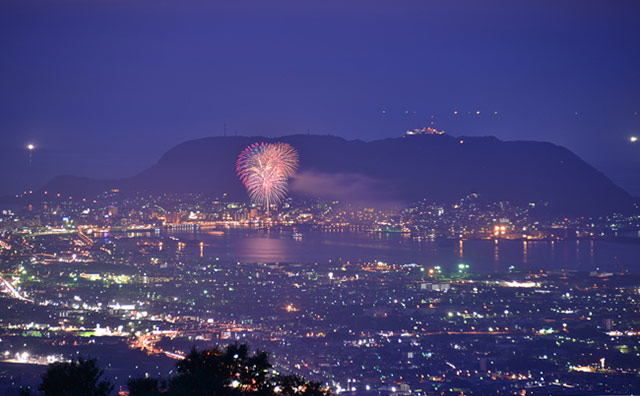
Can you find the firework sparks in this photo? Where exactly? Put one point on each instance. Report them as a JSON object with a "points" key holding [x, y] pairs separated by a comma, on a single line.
{"points": [[265, 168]]}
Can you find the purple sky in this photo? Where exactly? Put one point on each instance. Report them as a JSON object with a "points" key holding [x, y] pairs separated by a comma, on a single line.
{"points": [[103, 88]]}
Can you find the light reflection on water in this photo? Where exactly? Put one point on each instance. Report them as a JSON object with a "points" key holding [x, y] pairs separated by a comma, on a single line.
{"points": [[481, 255]]}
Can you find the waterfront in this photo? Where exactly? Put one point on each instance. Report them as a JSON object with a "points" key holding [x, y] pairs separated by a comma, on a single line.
{"points": [[484, 256]]}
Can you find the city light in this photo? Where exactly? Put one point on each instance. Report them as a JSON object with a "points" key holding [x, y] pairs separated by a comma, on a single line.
{"points": [[168, 304]]}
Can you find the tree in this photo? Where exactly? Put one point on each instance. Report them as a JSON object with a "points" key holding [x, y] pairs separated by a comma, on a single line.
{"points": [[144, 387], [232, 371], [76, 378]]}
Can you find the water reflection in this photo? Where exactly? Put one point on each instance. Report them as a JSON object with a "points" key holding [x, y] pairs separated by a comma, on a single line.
{"points": [[264, 249], [481, 255]]}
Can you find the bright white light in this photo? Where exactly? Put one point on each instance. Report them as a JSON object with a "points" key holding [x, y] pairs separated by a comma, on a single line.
{"points": [[31, 146], [634, 139]]}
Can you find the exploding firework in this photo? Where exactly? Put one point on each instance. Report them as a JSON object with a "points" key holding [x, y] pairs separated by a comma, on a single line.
{"points": [[265, 168]]}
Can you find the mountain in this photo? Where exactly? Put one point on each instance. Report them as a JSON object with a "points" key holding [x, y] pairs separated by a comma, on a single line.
{"points": [[441, 168]]}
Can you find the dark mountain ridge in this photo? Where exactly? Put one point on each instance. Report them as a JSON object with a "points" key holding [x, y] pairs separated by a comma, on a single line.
{"points": [[441, 168]]}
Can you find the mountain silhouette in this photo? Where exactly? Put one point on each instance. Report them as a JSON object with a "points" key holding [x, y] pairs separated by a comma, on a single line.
{"points": [[440, 168]]}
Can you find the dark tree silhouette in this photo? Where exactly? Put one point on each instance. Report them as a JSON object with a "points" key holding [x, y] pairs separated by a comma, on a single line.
{"points": [[76, 378], [231, 371], [144, 387]]}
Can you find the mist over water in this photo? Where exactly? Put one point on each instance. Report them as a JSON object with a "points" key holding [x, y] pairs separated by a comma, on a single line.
{"points": [[483, 256]]}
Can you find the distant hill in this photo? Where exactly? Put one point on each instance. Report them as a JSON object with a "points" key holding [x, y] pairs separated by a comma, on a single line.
{"points": [[441, 168]]}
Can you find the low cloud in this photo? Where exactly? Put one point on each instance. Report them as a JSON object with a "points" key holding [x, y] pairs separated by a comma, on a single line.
{"points": [[344, 187]]}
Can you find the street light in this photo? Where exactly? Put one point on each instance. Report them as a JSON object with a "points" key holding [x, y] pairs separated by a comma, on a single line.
{"points": [[30, 147]]}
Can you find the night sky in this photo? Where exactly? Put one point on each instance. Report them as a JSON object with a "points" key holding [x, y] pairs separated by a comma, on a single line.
{"points": [[103, 88]]}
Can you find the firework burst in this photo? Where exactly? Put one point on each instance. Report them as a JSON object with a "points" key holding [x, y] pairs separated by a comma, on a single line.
{"points": [[265, 168]]}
